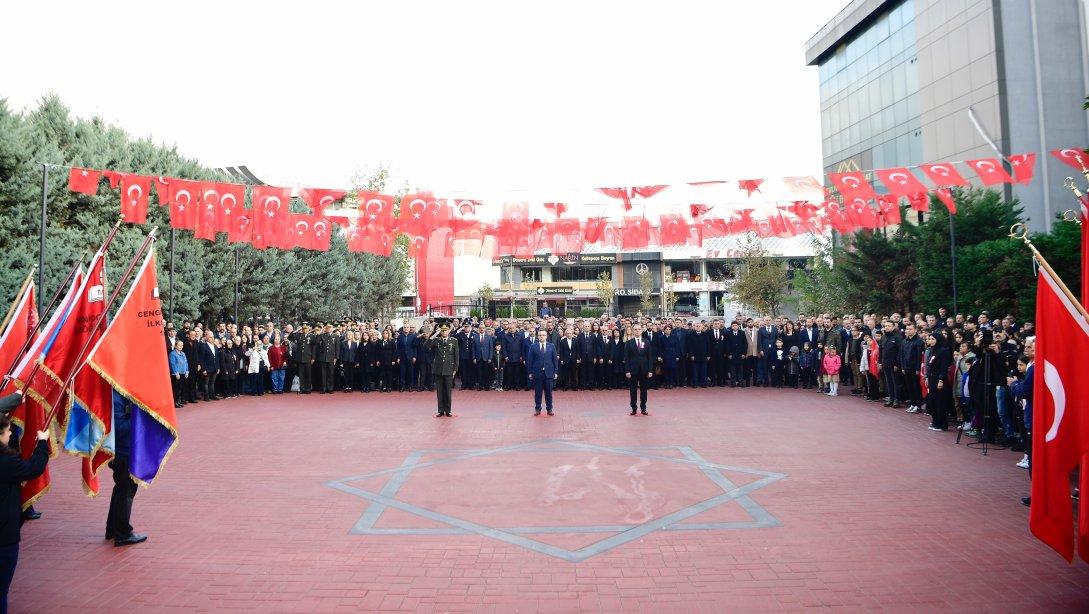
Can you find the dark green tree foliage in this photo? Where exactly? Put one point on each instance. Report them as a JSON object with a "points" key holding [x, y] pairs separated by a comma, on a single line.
{"points": [[295, 283], [910, 268]]}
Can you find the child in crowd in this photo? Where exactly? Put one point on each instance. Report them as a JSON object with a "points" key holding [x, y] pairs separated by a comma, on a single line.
{"points": [[830, 367], [808, 363], [497, 364], [179, 372], [793, 369], [776, 364]]}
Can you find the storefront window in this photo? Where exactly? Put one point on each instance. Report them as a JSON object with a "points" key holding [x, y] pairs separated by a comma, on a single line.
{"points": [[531, 275], [581, 273]]}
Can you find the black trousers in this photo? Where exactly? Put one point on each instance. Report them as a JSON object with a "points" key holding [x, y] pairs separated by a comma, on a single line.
{"points": [[444, 392], [485, 374], [638, 382], [9, 558], [567, 375], [305, 371], [717, 371], [347, 375], [467, 369], [177, 384], [326, 376], [124, 490], [737, 371], [191, 387], [586, 374], [208, 385], [912, 391], [891, 387]]}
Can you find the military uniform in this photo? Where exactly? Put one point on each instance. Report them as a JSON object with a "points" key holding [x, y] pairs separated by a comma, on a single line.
{"points": [[444, 363], [325, 354], [304, 357]]}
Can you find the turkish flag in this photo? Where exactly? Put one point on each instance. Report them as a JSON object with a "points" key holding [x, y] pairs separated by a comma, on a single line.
{"points": [[183, 197], [370, 238], [135, 190], [890, 209], [852, 185], [1083, 200], [271, 206], [1023, 167], [861, 214], [557, 209], [232, 198], [946, 196], [626, 194], [595, 227], [804, 188], [698, 210], [943, 174], [375, 208], [318, 199], [208, 218], [712, 227], [741, 221], [1061, 399], [673, 230], [513, 227], [749, 185], [611, 235], [422, 213], [837, 218], [321, 234], [990, 171], [921, 202], [635, 233], [1073, 157], [566, 236], [241, 230], [900, 181], [84, 180]]}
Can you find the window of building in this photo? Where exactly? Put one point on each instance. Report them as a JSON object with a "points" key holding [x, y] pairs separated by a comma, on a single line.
{"points": [[531, 274], [581, 273], [721, 271]]}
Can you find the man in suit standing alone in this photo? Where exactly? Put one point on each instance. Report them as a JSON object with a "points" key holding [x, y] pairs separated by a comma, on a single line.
{"points": [[639, 362], [765, 341], [541, 366]]}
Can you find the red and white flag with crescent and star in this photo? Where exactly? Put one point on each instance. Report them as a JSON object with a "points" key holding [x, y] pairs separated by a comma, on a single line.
{"points": [[1059, 419]]}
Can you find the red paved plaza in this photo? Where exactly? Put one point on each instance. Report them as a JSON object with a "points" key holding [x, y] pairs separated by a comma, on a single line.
{"points": [[721, 500]]}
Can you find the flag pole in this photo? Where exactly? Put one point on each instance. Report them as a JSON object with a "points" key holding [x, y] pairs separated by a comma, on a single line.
{"points": [[56, 297], [44, 221], [18, 298], [142, 251], [1020, 231]]}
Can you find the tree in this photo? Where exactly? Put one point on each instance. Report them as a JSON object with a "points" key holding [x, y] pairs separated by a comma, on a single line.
{"points": [[761, 283], [819, 288], [669, 297], [281, 283], [603, 287], [880, 271], [646, 292]]}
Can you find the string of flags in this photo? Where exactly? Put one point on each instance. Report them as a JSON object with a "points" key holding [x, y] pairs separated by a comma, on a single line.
{"points": [[684, 214]]}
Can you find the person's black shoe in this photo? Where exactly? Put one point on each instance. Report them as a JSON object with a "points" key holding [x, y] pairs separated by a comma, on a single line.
{"points": [[633, 412], [536, 412], [440, 414], [109, 536], [32, 515], [449, 415], [135, 538], [1026, 501], [550, 413], [644, 412]]}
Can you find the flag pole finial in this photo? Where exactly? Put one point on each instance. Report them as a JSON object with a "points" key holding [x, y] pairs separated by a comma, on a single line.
{"points": [[1019, 231]]}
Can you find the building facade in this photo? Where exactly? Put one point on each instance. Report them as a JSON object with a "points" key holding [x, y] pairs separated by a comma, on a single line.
{"points": [[898, 77]]}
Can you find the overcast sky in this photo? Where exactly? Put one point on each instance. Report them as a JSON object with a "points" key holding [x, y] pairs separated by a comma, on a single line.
{"points": [[454, 96]]}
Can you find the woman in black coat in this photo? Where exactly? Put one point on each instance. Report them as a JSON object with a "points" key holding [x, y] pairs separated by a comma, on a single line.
{"points": [[387, 359], [13, 472]]}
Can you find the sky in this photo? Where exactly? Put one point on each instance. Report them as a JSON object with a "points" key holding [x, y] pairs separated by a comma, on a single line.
{"points": [[461, 98]]}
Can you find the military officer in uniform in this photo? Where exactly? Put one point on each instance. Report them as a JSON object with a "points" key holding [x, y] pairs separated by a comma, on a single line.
{"points": [[444, 364], [326, 356], [304, 358]]}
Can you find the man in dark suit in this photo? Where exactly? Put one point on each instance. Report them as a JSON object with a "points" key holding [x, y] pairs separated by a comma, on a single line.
{"points": [[639, 362], [698, 347], [304, 358], [466, 351], [765, 343], [349, 347], [325, 354], [717, 371], [542, 363], [568, 351], [736, 344], [485, 354], [208, 365], [586, 358]]}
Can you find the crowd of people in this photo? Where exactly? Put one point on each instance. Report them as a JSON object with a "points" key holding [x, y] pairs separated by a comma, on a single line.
{"points": [[960, 367]]}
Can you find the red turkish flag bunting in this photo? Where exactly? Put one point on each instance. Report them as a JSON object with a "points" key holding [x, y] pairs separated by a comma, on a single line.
{"points": [[889, 206], [557, 209], [673, 230], [712, 227], [943, 174], [635, 232], [566, 236], [741, 221], [626, 194], [697, 210], [921, 202], [861, 214], [241, 230], [135, 190], [750, 185], [990, 171], [804, 188], [208, 218], [1059, 419], [319, 199], [852, 185], [900, 181], [270, 208], [1073, 157], [84, 180], [1023, 167], [595, 227], [321, 234], [183, 197], [421, 213], [232, 198], [946, 196], [375, 208]]}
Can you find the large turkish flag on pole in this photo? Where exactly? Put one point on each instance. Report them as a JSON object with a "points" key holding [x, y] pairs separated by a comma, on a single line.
{"points": [[1059, 413]]}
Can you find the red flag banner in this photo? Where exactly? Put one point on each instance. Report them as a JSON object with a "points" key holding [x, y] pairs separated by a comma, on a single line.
{"points": [[319, 199], [135, 190], [750, 185], [946, 196], [1074, 158], [852, 185], [183, 197], [208, 218], [635, 232], [271, 206], [673, 230], [1061, 394], [375, 208], [1024, 166], [84, 180], [990, 171], [901, 182], [232, 199], [943, 174], [22, 318]]}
